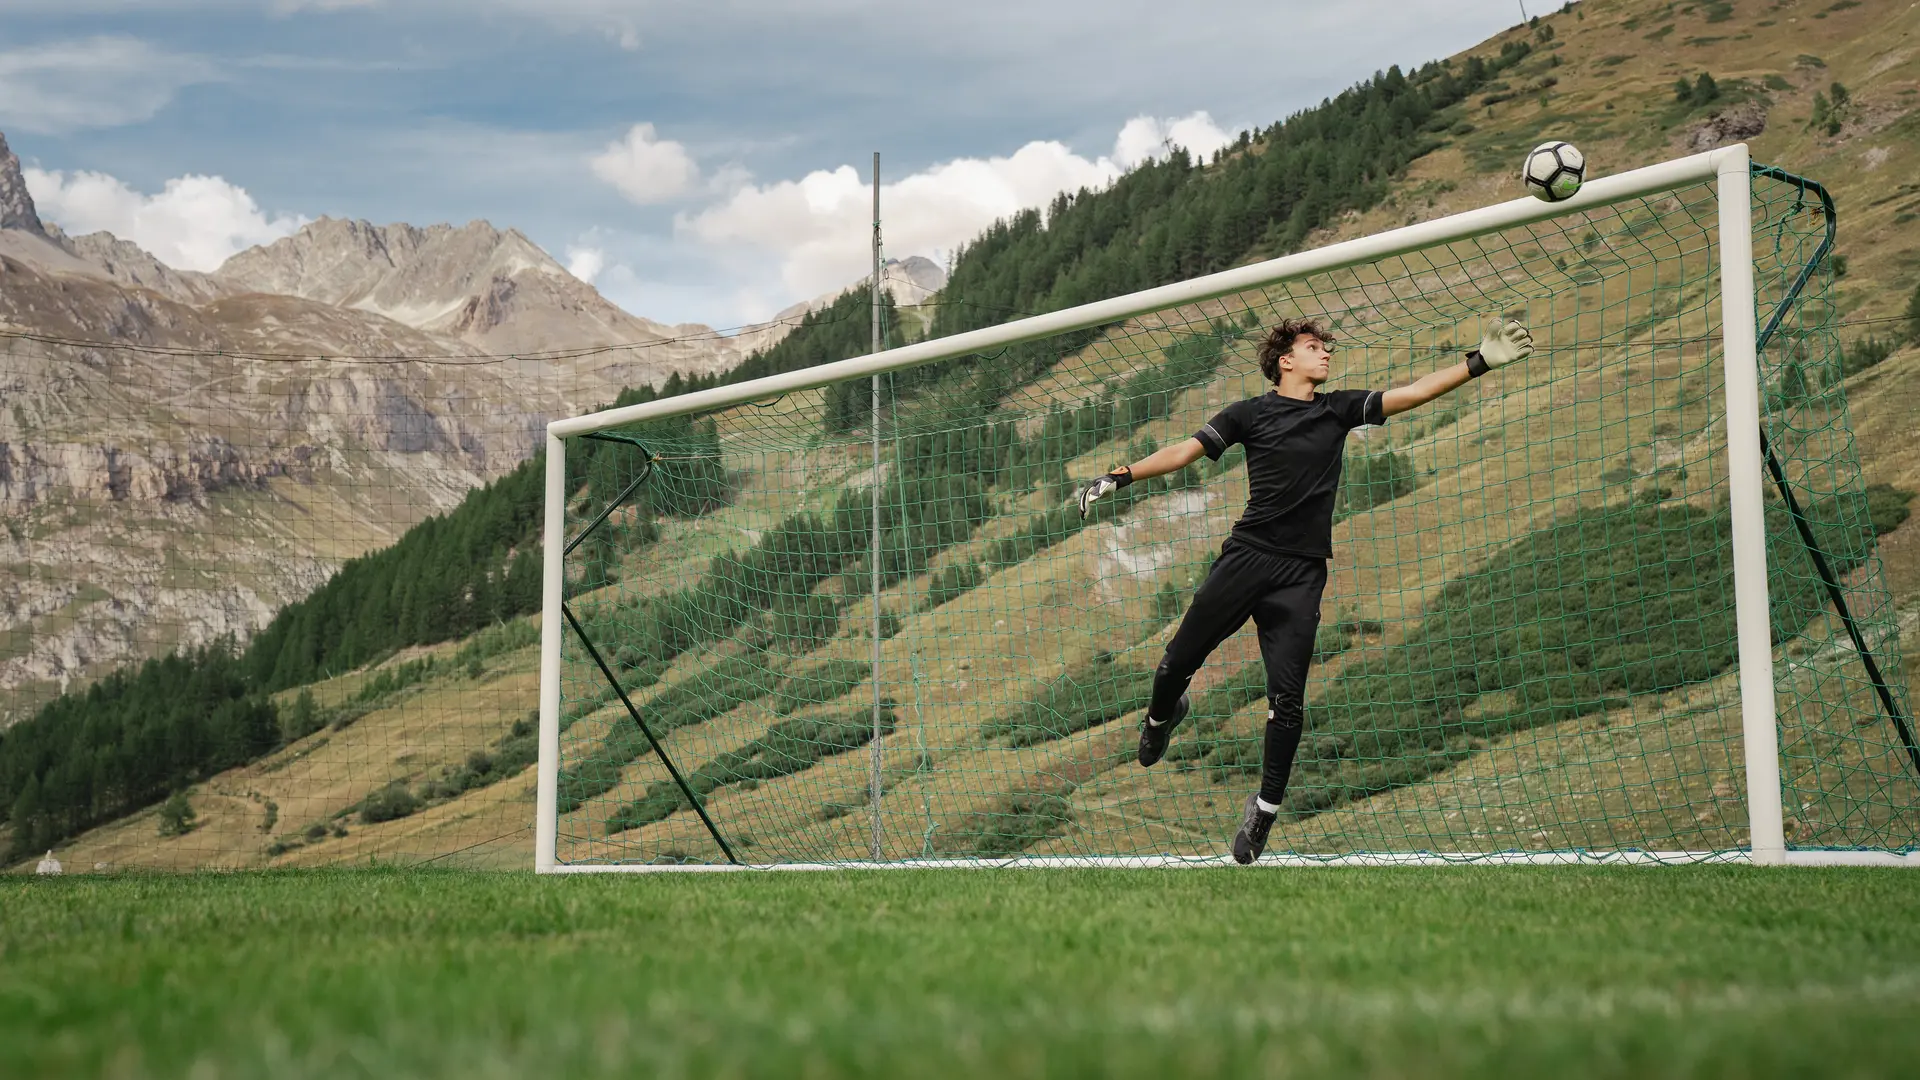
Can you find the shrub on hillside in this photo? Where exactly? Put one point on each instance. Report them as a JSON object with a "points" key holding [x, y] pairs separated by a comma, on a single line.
{"points": [[789, 746], [827, 681], [1865, 353], [1701, 91], [1371, 480], [1021, 820], [1832, 109], [1887, 508], [1094, 693], [800, 623], [952, 583], [388, 803], [176, 815]]}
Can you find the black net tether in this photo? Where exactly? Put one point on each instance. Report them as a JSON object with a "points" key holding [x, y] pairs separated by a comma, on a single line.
{"points": [[1827, 576], [658, 750]]}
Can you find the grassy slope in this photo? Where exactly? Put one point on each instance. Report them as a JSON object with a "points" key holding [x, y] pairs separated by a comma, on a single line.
{"points": [[1870, 47], [1562, 972]]}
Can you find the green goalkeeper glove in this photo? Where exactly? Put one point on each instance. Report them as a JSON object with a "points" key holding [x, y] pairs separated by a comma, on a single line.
{"points": [[1505, 342], [1102, 487]]}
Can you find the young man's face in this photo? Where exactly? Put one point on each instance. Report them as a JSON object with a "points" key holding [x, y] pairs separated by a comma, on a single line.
{"points": [[1311, 358]]}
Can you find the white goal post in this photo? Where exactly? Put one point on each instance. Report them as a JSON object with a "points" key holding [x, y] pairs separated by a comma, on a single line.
{"points": [[1745, 494]]}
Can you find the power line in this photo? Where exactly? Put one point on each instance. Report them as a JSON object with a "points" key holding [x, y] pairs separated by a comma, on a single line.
{"points": [[465, 359], [486, 359]]}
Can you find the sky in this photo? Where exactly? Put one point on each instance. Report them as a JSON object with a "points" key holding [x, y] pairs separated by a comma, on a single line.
{"points": [[699, 161]]}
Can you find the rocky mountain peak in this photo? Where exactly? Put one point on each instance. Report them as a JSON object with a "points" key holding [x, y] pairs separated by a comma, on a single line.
{"points": [[130, 264], [422, 277], [914, 279], [16, 206]]}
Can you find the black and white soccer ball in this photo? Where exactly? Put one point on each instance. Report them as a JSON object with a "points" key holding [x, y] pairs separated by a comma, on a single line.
{"points": [[1554, 170]]}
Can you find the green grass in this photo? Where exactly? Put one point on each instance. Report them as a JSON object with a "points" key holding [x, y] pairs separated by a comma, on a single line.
{"points": [[1724, 972]]}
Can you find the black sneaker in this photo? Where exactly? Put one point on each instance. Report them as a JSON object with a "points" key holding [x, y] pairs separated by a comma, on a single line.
{"points": [[1153, 738], [1251, 840]]}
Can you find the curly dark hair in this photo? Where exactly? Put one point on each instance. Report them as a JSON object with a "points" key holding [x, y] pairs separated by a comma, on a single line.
{"points": [[1280, 342]]}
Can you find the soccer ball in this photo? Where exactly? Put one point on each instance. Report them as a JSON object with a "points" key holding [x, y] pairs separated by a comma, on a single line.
{"points": [[1554, 170]]}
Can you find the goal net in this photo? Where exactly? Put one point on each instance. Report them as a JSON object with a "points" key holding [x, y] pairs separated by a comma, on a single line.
{"points": [[1620, 601]]}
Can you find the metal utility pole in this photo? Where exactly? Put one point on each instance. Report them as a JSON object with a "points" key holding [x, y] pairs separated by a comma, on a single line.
{"points": [[873, 552]]}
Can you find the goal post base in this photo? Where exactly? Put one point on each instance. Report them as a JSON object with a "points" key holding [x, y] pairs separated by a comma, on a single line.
{"points": [[1910, 859]]}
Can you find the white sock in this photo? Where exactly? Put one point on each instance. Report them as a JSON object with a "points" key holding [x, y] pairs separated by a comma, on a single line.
{"points": [[1265, 806]]}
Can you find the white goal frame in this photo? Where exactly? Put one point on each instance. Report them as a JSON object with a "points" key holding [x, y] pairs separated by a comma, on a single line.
{"points": [[1729, 167]]}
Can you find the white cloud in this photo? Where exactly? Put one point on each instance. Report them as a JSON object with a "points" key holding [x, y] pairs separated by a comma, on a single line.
{"points": [[586, 263], [817, 226], [1146, 137], [646, 168], [98, 82], [194, 223]]}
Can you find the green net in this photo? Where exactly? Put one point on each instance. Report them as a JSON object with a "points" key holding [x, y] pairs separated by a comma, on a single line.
{"points": [[1849, 762], [1527, 638]]}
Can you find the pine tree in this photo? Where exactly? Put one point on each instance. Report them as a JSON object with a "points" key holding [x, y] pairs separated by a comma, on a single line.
{"points": [[303, 719], [26, 820]]}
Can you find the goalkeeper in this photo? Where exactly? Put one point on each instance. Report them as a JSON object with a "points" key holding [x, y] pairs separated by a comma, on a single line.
{"points": [[1274, 565]]}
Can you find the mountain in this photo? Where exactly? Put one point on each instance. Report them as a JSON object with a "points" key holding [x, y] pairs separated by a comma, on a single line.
{"points": [[126, 263], [202, 463], [44, 246], [220, 428], [493, 291], [911, 282], [16, 205], [167, 495]]}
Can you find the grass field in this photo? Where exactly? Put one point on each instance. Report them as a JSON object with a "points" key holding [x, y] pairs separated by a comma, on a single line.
{"points": [[1701, 971]]}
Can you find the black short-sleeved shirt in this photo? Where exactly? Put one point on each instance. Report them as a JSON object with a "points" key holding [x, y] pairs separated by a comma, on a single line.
{"points": [[1294, 452]]}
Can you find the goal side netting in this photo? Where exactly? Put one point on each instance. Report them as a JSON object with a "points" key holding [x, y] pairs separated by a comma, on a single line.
{"points": [[1620, 601]]}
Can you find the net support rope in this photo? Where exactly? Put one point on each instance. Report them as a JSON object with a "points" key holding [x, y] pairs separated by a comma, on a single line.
{"points": [[699, 805], [1828, 579]]}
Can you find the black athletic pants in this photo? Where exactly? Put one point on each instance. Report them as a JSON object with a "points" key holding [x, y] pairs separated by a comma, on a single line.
{"points": [[1282, 594]]}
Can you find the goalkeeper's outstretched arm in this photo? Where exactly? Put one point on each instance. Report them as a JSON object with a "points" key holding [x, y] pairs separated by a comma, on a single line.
{"points": [[1167, 459], [1159, 463], [1504, 343]]}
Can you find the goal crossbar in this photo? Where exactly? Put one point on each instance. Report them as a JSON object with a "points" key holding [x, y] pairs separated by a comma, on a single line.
{"points": [[1601, 192]]}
